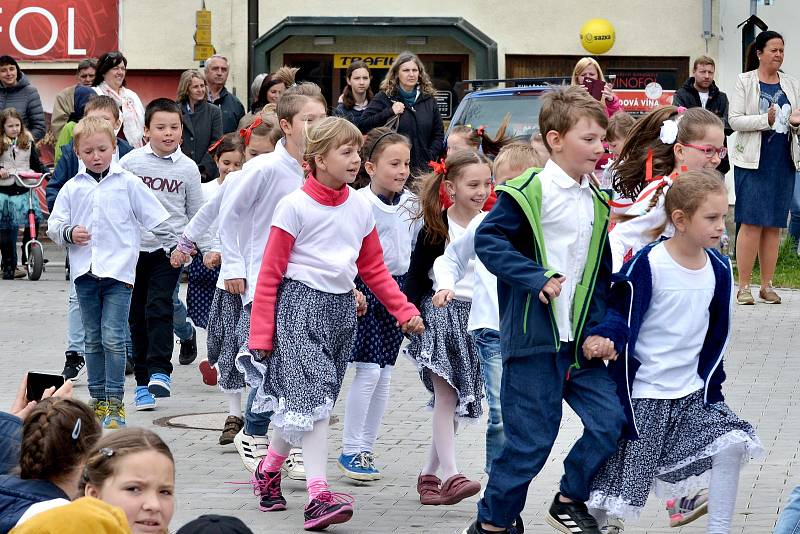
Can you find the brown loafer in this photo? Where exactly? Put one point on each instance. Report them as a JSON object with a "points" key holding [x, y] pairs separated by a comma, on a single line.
{"points": [[428, 487], [768, 295], [457, 488]]}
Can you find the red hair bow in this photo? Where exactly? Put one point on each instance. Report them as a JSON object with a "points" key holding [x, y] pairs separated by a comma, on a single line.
{"points": [[213, 147], [480, 131], [438, 167], [245, 133]]}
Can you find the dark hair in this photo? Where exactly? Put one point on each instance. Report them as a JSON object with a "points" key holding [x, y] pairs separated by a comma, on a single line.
{"points": [[758, 45], [102, 102], [563, 107], [347, 95], [53, 439], [284, 75], [375, 142], [479, 139], [108, 61], [8, 60], [24, 140], [160, 104], [88, 63], [390, 83], [230, 142]]}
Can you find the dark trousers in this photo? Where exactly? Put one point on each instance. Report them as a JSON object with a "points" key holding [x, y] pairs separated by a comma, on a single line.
{"points": [[531, 394], [151, 315]]}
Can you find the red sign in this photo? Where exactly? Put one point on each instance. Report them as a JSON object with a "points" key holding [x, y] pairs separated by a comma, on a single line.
{"points": [[48, 30], [637, 102]]}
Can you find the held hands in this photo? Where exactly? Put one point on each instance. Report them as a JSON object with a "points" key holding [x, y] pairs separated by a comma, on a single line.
{"points": [[551, 289], [361, 303], [398, 108], [235, 286], [443, 297], [80, 235], [212, 260], [413, 325], [599, 347], [178, 258]]}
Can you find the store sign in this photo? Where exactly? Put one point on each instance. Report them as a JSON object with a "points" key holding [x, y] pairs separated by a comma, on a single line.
{"points": [[377, 61], [638, 102], [639, 79], [56, 30], [444, 101]]}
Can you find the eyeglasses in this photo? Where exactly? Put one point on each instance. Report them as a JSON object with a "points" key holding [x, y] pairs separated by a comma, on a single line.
{"points": [[709, 150]]}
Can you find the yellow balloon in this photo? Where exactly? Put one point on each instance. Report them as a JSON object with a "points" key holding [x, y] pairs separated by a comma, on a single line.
{"points": [[597, 36]]}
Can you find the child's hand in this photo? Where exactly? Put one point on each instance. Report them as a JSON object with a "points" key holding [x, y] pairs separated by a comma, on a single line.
{"points": [[80, 235], [442, 298], [413, 326], [235, 286], [178, 258], [212, 260], [599, 347], [551, 289], [361, 303]]}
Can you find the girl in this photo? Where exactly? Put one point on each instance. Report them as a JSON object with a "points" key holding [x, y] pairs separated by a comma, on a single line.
{"points": [[56, 439], [387, 155], [446, 355], [663, 143], [18, 153], [464, 137], [357, 94], [304, 314], [681, 435], [133, 469]]}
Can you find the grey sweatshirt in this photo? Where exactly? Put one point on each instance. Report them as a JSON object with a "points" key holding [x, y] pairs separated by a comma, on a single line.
{"points": [[174, 179]]}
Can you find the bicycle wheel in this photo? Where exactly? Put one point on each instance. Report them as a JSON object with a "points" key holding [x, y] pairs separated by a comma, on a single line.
{"points": [[35, 262]]}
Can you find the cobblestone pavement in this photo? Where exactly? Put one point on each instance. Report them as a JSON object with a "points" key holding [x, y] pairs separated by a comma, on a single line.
{"points": [[763, 366]]}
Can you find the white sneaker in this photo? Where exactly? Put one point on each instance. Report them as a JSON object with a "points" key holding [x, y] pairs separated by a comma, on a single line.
{"points": [[293, 466], [251, 449]]}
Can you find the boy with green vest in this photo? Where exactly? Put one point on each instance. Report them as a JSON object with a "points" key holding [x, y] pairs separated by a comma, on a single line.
{"points": [[546, 241]]}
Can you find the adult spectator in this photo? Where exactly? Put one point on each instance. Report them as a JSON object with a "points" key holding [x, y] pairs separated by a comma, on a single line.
{"points": [[17, 92], [255, 87], [65, 99], [764, 115], [407, 92], [202, 122], [110, 81], [217, 70], [588, 68], [356, 96], [273, 86], [701, 91]]}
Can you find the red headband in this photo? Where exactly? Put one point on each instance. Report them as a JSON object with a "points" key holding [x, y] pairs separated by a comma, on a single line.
{"points": [[480, 131]]}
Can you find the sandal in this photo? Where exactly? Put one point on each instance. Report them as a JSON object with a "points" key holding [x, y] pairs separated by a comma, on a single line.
{"points": [[457, 488], [428, 487]]}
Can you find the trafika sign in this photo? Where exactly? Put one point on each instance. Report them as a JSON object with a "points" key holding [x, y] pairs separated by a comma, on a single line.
{"points": [[58, 30]]}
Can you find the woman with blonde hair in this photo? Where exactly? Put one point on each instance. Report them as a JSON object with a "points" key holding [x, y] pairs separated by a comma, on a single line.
{"points": [[587, 68], [202, 123]]}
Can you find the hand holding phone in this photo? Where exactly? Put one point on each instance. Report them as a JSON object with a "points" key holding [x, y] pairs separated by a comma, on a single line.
{"points": [[595, 87], [39, 382]]}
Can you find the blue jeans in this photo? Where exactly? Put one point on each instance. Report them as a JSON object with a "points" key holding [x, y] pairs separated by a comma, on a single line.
{"points": [[104, 304], [531, 393], [182, 328], [255, 424], [488, 342], [794, 212], [789, 520], [75, 332]]}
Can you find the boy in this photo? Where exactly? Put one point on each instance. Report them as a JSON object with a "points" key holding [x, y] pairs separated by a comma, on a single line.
{"points": [[175, 180], [69, 165], [97, 216], [546, 241]]}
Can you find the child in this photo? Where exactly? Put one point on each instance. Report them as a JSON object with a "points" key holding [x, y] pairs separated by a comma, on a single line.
{"points": [[68, 166], [18, 153], [57, 436], [542, 155], [446, 356], [545, 240], [681, 436], [618, 127], [387, 157], [464, 137], [304, 314], [175, 180], [103, 262], [133, 469], [80, 97], [662, 144], [484, 314]]}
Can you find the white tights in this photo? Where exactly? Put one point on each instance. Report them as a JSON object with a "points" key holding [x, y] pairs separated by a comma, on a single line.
{"points": [[366, 403], [234, 403], [725, 469], [443, 443], [315, 448]]}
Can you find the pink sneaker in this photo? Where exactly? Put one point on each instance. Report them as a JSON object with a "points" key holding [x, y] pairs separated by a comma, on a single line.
{"points": [[686, 509], [328, 508], [267, 487]]}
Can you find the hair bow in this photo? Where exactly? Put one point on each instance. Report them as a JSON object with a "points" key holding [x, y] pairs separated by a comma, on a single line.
{"points": [[438, 167], [480, 131], [245, 133], [669, 132], [216, 144]]}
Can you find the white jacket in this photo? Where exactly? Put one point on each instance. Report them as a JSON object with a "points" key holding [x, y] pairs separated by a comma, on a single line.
{"points": [[748, 123]]}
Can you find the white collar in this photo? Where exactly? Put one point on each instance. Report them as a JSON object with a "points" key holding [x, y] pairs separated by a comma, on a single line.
{"points": [[561, 178], [175, 156], [113, 169]]}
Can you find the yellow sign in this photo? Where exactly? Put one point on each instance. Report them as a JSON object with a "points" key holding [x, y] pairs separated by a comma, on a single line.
{"points": [[377, 61], [203, 18], [203, 52], [597, 36], [202, 37]]}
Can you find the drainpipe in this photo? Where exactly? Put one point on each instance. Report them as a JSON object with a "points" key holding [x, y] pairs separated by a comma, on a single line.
{"points": [[707, 33], [252, 35]]}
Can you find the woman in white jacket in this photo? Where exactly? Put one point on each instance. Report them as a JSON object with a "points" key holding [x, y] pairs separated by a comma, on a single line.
{"points": [[764, 115]]}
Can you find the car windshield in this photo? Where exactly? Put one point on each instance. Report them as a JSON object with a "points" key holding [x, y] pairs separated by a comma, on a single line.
{"points": [[490, 112]]}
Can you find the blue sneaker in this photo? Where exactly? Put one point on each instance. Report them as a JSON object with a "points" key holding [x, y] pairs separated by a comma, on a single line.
{"points": [[355, 466], [159, 385], [369, 460], [115, 418], [144, 399]]}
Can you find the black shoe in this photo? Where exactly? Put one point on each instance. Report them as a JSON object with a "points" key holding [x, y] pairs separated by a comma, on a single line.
{"points": [[74, 365], [188, 349], [8, 274], [128, 367], [571, 518], [475, 528]]}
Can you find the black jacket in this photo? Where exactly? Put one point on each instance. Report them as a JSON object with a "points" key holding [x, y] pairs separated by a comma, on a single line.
{"points": [[352, 114], [200, 130], [421, 123], [418, 283], [232, 110], [688, 97]]}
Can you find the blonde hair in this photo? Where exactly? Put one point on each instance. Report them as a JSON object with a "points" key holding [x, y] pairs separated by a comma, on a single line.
{"points": [[581, 65], [563, 107], [619, 125], [329, 134], [90, 126], [186, 81], [703, 60], [389, 84], [518, 156]]}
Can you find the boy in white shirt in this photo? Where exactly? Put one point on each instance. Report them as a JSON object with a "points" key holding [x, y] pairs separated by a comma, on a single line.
{"points": [[98, 215]]}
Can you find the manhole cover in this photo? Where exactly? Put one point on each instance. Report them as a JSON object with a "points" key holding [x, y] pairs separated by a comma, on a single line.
{"points": [[196, 421]]}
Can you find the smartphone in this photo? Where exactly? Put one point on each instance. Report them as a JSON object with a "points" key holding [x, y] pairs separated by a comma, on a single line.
{"points": [[595, 87], [38, 382]]}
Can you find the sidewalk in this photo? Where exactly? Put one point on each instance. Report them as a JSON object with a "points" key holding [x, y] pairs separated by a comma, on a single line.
{"points": [[763, 367]]}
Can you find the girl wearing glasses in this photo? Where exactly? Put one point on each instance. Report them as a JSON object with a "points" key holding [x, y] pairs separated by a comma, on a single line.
{"points": [[664, 143]]}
